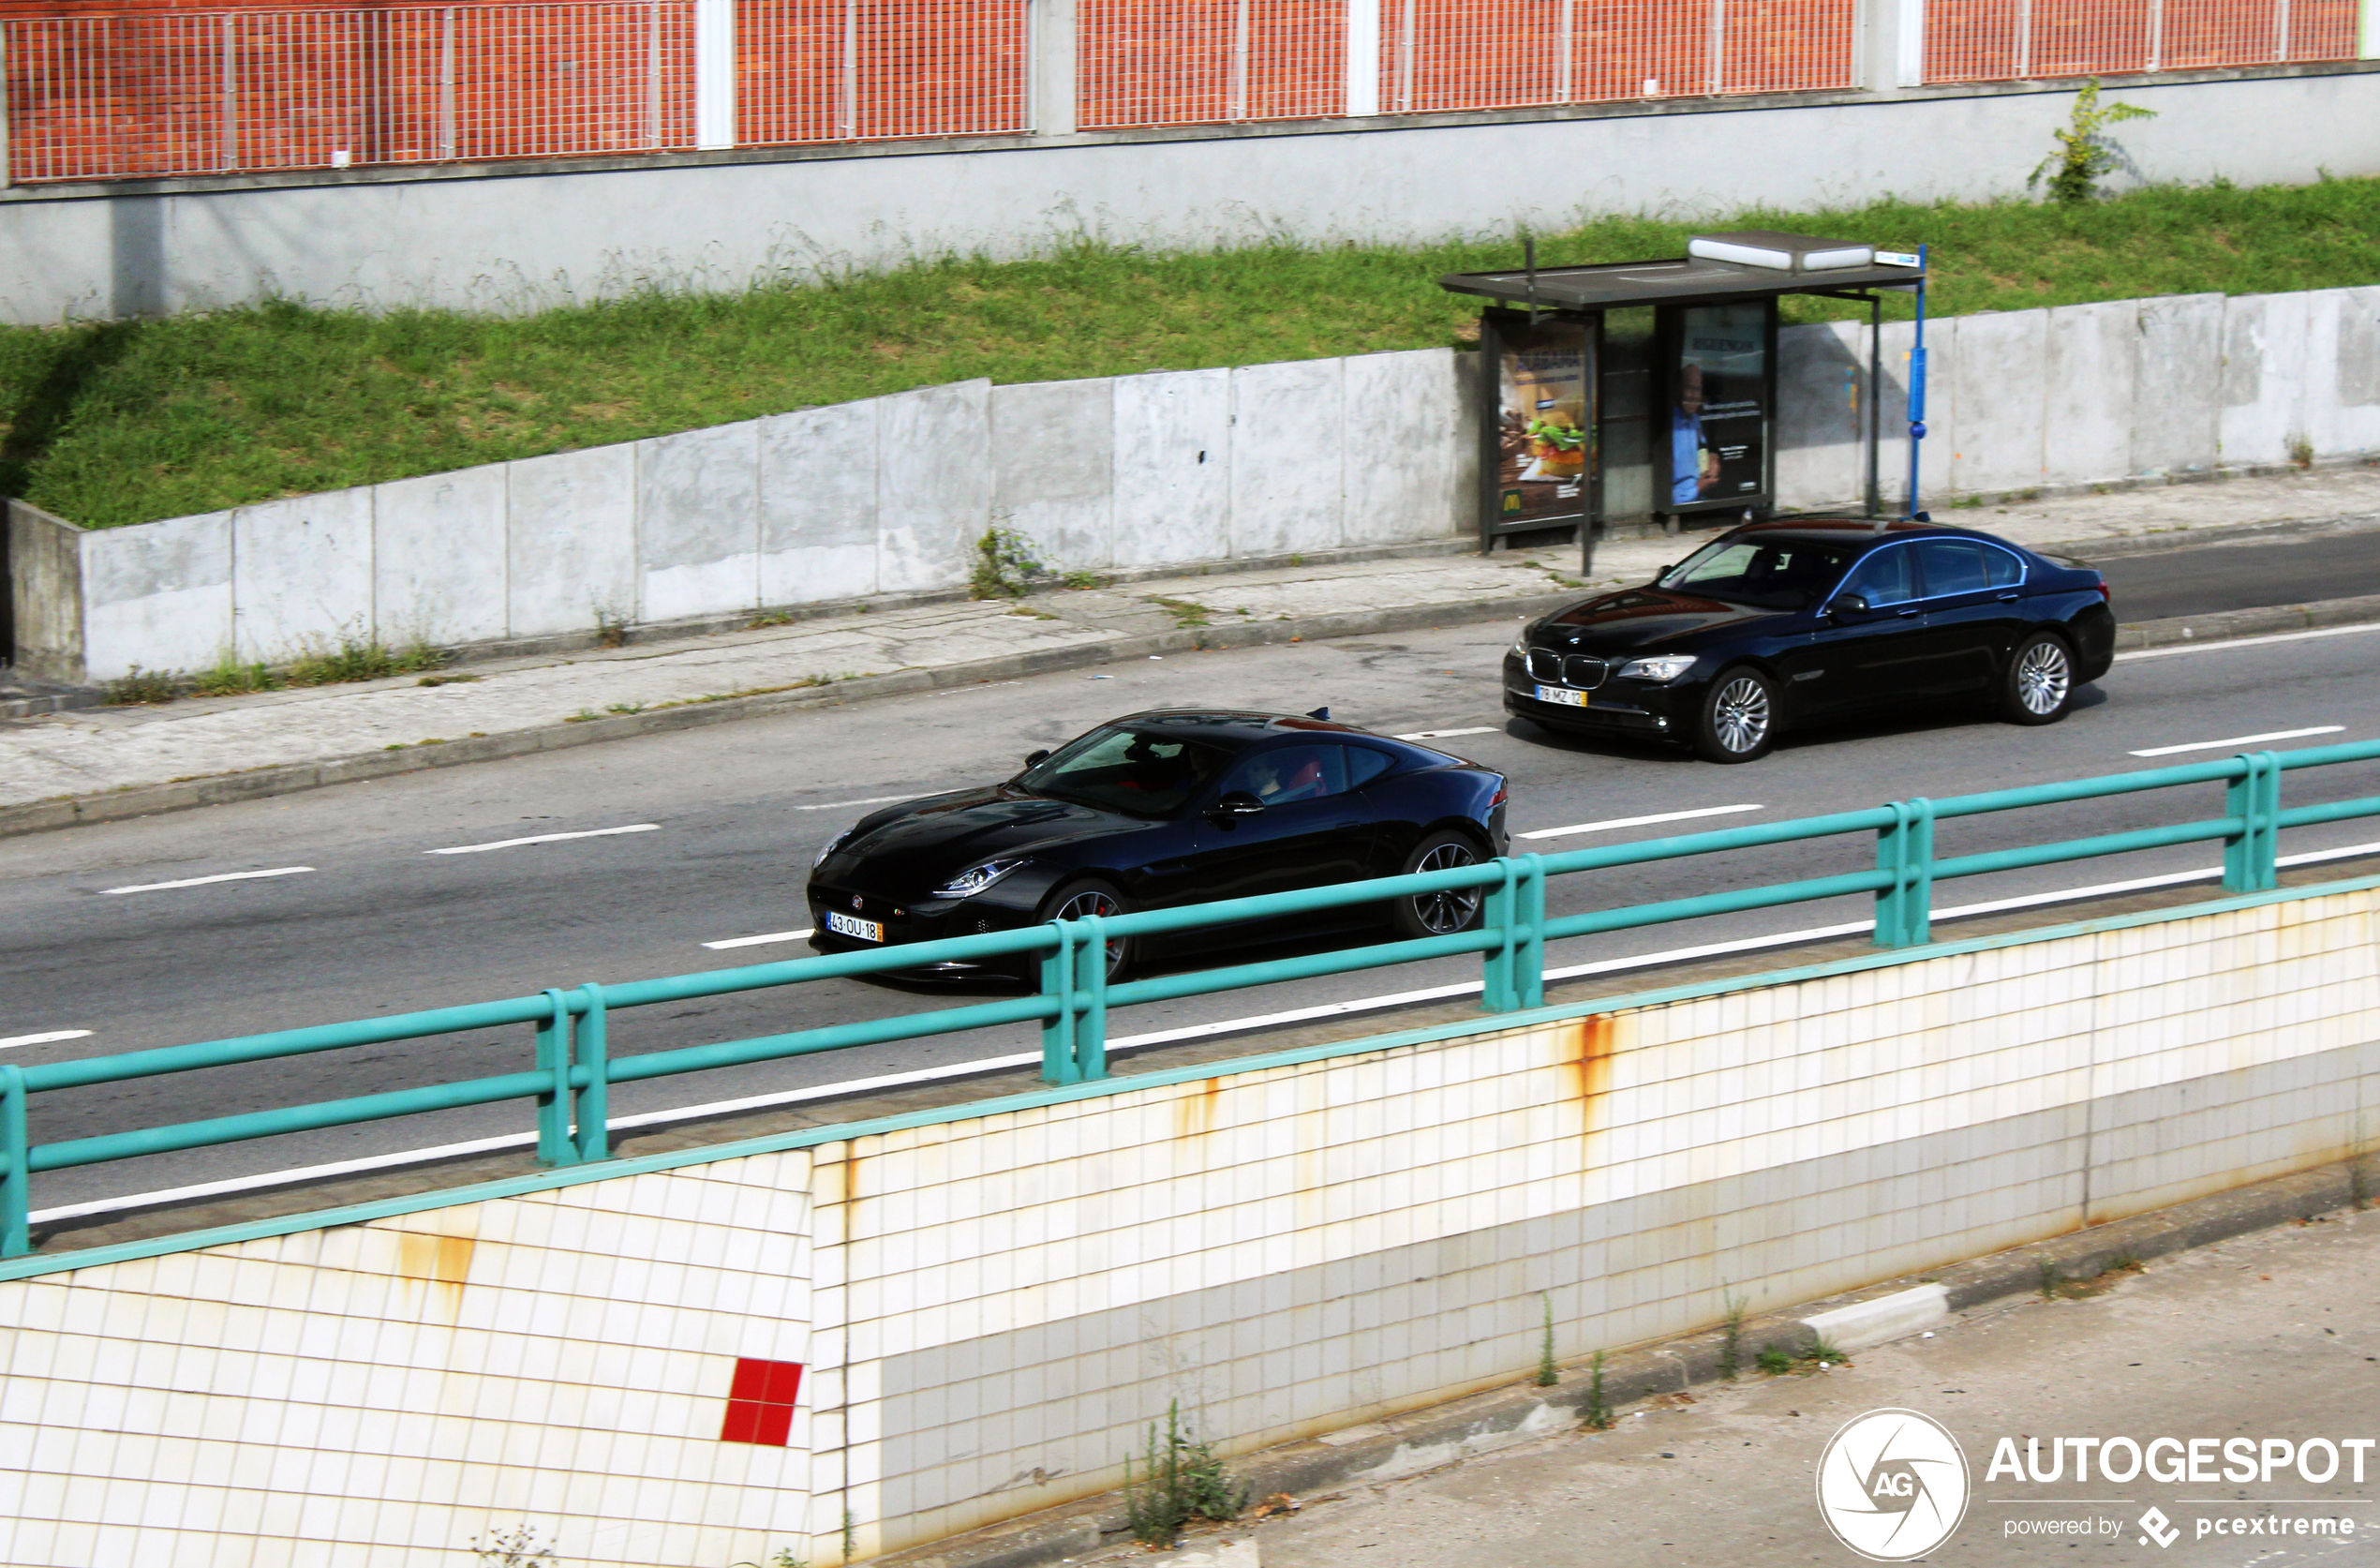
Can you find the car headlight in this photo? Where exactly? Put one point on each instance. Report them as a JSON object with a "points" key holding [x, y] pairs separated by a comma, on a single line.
{"points": [[1521, 646], [974, 880], [1668, 666], [829, 849]]}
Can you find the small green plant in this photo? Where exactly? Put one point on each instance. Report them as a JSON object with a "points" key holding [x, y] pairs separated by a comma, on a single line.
{"points": [[228, 677], [851, 1536], [1082, 579], [581, 716], [2084, 153], [1186, 612], [1548, 1374], [2302, 452], [521, 1548], [142, 686], [623, 708], [611, 629], [358, 658], [1596, 1417], [1181, 1480], [770, 617], [1004, 564], [2358, 1184], [1730, 1340], [1774, 1359], [2048, 1277], [1824, 1351]]}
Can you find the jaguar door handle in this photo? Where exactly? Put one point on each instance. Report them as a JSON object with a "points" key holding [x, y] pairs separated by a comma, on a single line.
{"points": [[1168, 867], [1350, 824], [2008, 598], [1906, 614]]}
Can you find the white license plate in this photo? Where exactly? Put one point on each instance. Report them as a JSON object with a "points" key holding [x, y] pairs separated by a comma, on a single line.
{"points": [[852, 925], [1562, 695]]}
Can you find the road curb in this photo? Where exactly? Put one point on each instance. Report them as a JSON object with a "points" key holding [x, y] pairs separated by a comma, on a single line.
{"points": [[115, 805], [1521, 1412], [37, 816]]}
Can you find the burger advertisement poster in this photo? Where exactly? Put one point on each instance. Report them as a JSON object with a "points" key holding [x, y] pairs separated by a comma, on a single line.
{"points": [[1717, 449], [1545, 434]]}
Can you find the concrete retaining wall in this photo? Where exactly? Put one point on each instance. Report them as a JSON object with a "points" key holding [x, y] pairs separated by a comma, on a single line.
{"points": [[520, 236], [986, 1305], [1140, 473]]}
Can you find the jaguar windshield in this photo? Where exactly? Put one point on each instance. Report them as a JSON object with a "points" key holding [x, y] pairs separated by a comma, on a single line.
{"points": [[1765, 574], [1134, 771]]}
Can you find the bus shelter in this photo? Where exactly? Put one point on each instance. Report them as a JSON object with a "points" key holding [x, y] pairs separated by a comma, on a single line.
{"points": [[1647, 390]]}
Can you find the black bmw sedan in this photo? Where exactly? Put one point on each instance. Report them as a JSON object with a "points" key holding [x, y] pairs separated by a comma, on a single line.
{"points": [[1775, 625], [1162, 808]]}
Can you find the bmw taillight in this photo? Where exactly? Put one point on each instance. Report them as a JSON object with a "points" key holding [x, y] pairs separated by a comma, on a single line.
{"points": [[1503, 793], [2106, 594]]}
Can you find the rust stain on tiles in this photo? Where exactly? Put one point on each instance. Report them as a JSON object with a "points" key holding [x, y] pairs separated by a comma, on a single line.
{"points": [[439, 1265], [1197, 1110]]}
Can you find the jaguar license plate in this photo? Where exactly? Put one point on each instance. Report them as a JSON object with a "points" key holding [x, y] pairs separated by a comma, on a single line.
{"points": [[1562, 695], [852, 925]]}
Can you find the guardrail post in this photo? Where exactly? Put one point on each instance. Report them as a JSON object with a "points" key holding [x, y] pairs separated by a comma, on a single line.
{"points": [[1515, 978], [1058, 983], [2249, 856], [1091, 1030], [591, 1106], [1905, 852], [554, 1102], [16, 1177]]}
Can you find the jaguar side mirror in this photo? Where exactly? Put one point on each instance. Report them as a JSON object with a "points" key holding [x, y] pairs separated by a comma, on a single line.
{"points": [[1237, 803], [1846, 603], [1034, 759]]}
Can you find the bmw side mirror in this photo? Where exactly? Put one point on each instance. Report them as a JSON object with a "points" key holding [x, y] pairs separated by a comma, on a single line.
{"points": [[1034, 759], [1846, 603], [1237, 803]]}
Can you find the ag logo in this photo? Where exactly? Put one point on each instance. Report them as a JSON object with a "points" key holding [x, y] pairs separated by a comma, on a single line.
{"points": [[1891, 1484]]}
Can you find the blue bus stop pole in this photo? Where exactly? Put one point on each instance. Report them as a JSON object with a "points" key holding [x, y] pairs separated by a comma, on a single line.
{"points": [[1917, 383]]}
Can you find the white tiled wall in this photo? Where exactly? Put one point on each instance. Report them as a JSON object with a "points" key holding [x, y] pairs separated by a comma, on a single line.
{"points": [[993, 1308]]}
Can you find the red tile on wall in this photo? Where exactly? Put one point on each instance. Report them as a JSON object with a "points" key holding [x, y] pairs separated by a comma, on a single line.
{"points": [[760, 1402]]}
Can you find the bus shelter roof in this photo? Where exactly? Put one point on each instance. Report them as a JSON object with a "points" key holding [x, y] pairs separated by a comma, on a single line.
{"points": [[1680, 280]]}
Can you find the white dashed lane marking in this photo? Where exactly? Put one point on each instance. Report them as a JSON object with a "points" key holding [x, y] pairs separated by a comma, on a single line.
{"points": [[547, 838], [203, 881]]}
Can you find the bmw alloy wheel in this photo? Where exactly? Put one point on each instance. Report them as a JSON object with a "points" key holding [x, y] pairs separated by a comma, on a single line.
{"points": [[1450, 910], [2044, 676], [1740, 715]]}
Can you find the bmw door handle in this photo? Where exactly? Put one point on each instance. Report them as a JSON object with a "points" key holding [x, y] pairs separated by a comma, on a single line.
{"points": [[1906, 614], [1344, 825]]}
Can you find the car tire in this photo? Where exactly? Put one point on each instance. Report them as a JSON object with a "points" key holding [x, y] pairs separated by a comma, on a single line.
{"points": [[1093, 897], [2037, 686], [1738, 719], [1441, 913]]}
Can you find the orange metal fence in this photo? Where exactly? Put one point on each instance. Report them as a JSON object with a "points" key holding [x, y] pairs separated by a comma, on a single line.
{"points": [[1989, 41], [164, 87]]}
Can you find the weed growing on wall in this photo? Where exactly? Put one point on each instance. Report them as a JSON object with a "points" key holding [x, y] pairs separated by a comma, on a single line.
{"points": [[1596, 1417], [1005, 566], [1180, 1480], [1731, 1341], [1548, 1373], [127, 422], [2084, 155]]}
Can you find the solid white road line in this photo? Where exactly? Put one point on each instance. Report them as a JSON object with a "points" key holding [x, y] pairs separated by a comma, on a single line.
{"points": [[801, 935], [45, 1039], [547, 837], [1448, 734], [871, 801], [2238, 740], [1139, 1042], [1634, 822], [2225, 645], [203, 881]]}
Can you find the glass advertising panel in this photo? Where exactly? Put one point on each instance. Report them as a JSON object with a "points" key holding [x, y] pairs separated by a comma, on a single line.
{"points": [[1545, 430], [1717, 449]]}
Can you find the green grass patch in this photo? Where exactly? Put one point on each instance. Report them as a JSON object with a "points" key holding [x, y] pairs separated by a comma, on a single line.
{"points": [[109, 424]]}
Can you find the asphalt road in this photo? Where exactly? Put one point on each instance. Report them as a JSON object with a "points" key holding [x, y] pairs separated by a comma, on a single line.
{"points": [[2269, 1337], [381, 920], [2244, 577]]}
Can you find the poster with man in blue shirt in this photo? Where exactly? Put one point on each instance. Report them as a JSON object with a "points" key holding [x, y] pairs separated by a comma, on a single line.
{"points": [[1718, 416]]}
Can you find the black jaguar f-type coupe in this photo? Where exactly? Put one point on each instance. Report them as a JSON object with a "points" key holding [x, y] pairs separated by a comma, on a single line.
{"points": [[1779, 624], [1164, 808]]}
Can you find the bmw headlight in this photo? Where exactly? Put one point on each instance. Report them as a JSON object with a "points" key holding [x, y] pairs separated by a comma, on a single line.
{"points": [[974, 880], [829, 849], [1521, 646], [1667, 667]]}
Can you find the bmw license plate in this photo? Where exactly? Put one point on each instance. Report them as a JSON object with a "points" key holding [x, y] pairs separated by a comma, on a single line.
{"points": [[852, 925], [1562, 695]]}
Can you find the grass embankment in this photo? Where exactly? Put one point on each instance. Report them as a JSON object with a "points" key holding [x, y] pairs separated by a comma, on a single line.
{"points": [[127, 422]]}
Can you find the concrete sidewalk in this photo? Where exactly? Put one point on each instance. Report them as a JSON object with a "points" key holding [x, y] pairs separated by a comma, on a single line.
{"points": [[102, 764]]}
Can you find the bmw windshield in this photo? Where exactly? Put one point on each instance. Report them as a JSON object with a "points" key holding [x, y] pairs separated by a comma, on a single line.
{"points": [[1139, 773], [1764, 574]]}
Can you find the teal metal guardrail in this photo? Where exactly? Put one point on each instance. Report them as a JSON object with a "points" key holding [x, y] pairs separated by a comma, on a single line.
{"points": [[574, 1070]]}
